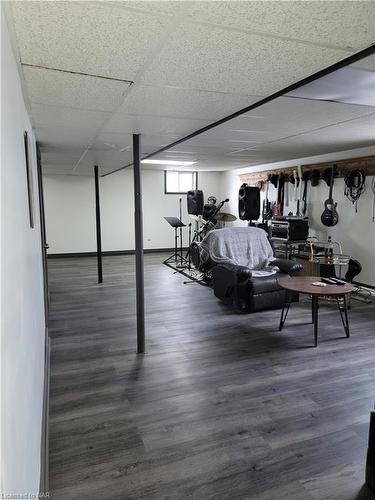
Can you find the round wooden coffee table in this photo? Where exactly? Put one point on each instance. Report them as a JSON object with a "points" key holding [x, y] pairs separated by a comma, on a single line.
{"points": [[303, 284]]}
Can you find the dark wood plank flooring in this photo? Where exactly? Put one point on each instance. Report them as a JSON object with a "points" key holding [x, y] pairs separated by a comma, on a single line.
{"points": [[222, 406]]}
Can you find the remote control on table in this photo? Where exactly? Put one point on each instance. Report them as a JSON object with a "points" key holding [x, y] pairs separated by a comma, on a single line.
{"points": [[338, 281], [328, 281]]}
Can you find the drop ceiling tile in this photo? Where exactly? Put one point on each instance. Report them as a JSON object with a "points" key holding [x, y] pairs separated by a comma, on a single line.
{"points": [[58, 166], [338, 23], [192, 104], [57, 116], [164, 125], [356, 133], [113, 141], [104, 159], [283, 117], [164, 8], [285, 128], [61, 156], [235, 62], [65, 171], [365, 63], [64, 137], [89, 37], [349, 135], [117, 142], [71, 90], [60, 169]]}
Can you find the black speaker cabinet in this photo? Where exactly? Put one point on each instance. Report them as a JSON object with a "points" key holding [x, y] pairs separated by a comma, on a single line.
{"points": [[249, 202], [195, 202]]}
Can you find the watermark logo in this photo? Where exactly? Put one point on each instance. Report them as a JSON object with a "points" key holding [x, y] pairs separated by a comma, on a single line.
{"points": [[24, 496]]}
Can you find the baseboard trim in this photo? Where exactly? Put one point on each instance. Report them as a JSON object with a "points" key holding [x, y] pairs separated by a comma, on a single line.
{"points": [[44, 452], [111, 252]]}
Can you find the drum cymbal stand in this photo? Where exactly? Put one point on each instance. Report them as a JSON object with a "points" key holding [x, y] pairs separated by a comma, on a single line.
{"points": [[188, 254]]}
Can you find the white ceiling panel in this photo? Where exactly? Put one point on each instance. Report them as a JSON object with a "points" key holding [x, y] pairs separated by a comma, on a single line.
{"points": [[116, 141], [56, 170], [290, 128], [88, 37], [123, 123], [70, 90], [347, 85], [64, 137], [282, 117], [156, 7], [104, 159], [192, 63], [235, 62], [343, 24], [174, 102], [56, 116], [360, 132], [48, 170], [56, 156], [366, 62], [356, 133], [113, 141]]}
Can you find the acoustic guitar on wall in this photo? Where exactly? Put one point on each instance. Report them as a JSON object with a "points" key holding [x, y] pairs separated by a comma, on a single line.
{"points": [[330, 217]]}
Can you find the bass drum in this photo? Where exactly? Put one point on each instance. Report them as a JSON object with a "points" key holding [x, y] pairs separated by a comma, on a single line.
{"points": [[195, 254]]}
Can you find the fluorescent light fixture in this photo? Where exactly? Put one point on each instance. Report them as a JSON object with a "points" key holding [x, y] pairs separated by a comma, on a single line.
{"points": [[176, 163]]}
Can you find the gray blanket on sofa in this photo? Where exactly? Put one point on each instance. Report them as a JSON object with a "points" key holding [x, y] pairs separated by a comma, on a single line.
{"points": [[244, 246]]}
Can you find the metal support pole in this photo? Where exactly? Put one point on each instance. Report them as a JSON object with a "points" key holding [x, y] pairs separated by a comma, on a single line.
{"points": [[138, 220], [98, 229]]}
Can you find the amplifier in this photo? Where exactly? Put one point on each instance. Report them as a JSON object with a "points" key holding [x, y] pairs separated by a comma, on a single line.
{"points": [[289, 229]]}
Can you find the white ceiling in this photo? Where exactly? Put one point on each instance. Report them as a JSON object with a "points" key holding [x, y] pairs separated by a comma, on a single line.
{"points": [[191, 63], [282, 129]]}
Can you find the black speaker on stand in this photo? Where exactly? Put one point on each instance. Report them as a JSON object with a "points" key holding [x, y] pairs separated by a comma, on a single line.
{"points": [[195, 202], [248, 203]]}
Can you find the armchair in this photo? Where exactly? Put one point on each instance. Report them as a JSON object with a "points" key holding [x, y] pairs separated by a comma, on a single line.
{"points": [[244, 271]]}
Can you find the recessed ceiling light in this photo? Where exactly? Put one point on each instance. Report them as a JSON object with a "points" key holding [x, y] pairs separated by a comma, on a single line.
{"points": [[176, 163]]}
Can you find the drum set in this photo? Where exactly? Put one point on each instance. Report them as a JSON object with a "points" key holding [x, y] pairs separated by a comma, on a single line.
{"points": [[216, 220], [219, 222], [211, 219]]}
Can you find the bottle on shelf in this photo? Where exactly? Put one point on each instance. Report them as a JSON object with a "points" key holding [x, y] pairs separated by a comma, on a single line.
{"points": [[330, 250]]}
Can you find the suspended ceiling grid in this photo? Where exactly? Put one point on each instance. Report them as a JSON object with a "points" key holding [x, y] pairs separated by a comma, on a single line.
{"points": [[182, 65]]}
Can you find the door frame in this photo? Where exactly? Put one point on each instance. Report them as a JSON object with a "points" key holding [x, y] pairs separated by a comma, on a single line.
{"points": [[44, 452]]}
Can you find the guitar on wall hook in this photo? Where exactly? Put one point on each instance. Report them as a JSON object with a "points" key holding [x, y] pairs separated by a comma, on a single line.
{"points": [[330, 217]]}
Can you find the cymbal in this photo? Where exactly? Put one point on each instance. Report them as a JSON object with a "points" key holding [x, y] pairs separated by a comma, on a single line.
{"points": [[197, 218], [225, 217]]}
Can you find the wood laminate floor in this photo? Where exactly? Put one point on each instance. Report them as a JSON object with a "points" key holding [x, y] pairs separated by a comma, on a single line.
{"points": [[222, 406]]}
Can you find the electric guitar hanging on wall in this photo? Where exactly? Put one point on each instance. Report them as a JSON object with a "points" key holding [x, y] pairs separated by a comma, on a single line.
{"points": [[266, 209], [330, 217]]}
